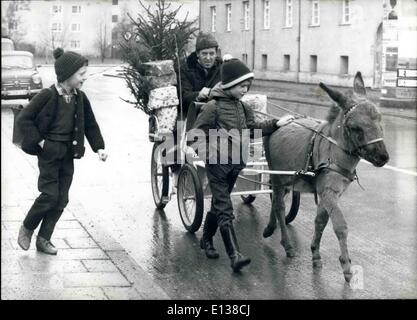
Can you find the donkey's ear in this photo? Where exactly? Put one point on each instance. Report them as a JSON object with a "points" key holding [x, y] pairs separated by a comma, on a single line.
{"points": [[336, 96], [358, 84]]}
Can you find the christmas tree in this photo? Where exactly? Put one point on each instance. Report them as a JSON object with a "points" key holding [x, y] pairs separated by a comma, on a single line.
{"points": [[156, 35]]}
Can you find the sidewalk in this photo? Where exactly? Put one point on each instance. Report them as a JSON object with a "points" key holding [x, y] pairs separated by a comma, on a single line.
{"points": [[89, 265]]}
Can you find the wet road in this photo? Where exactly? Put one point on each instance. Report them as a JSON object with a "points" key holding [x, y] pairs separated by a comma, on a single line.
{"points": [[382, 219]]}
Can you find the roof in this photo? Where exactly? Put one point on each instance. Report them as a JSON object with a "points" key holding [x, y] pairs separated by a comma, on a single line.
{"points": [[17, 53]]}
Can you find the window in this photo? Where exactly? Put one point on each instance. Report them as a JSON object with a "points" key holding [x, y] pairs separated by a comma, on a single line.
{"points": [[288, 13], [346, 11], [391, 58], [56, 8], [76, 9], [228, 17], [264, 62], [315, 13], [56, 27], [286, 62], [75, 27], [344, 64], [246, 15], [75, 44], [213, 19], [313, 63], [57, 43], [115, 2], [267, 14], [245, 58], [114, 18]]}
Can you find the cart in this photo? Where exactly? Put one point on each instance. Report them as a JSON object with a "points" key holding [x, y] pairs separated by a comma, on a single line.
{"points": [[192, 184]]}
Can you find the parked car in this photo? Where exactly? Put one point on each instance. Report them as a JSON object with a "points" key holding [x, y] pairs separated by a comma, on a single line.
{"points": [[7, 44], [20, 78]]}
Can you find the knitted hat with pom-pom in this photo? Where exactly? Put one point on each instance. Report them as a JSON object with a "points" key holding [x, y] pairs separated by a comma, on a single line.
{"points": [[233, 72], [67, 63]]}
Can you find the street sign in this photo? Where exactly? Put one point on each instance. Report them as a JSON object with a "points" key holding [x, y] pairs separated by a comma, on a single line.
{"points": [[407, 78], [407, 73], [409, 83]]}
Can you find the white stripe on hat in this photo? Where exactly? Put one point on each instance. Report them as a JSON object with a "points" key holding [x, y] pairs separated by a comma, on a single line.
{"points": [[238, 80]]}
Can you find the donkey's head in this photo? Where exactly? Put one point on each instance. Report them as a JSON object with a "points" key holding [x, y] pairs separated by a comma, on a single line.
{"points": [[361, 122]]}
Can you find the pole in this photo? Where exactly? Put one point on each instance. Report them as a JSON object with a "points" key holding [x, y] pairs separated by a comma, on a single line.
{"points": [[253, 36], [179, 73], [299, 42]]}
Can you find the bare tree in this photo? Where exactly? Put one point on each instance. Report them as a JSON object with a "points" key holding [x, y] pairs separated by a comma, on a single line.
{"points": [[50, 40], [10, 20], [102, 43]]}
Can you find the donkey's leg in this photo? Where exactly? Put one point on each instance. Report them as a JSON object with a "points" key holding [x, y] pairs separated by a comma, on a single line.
{"points": [[329, 200], [320, 223], [272, 224], [280, 213]]}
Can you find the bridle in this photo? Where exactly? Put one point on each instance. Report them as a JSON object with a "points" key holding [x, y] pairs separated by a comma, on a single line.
{"points": [[345, 118]]}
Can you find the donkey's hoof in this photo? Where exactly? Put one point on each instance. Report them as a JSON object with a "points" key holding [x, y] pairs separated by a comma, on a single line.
{"points": [[348, 276], [268, 231], [317, 264]]}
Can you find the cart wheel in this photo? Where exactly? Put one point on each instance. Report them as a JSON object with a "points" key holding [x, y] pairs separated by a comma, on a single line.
{"points": [[159, 178], [248, 199], [190, 198], [292, 201]]}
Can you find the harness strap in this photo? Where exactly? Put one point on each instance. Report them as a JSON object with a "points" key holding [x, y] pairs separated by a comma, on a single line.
{"points": [[309, 163], [332, 166], [371, 142]]}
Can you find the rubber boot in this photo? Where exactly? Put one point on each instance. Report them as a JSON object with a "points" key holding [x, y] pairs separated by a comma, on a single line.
{"points": [[209, 230], [238, 261]]}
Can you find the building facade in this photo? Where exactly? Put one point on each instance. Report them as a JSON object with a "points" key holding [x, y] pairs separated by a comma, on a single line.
{"points": [[85, 26], [303, 40]]}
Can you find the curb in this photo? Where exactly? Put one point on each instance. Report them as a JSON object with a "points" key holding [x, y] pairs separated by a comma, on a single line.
{"points": [[141, 284]]}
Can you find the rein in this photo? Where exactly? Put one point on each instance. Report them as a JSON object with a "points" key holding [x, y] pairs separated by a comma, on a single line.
{"points": [[330, 139], [331, 166]]}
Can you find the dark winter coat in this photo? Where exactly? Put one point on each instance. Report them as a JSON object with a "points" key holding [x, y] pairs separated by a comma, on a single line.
{"points": [[224, 113], [194, 77], [35, 119]]}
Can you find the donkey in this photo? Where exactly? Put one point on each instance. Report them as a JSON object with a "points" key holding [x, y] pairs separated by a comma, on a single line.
{"points": [[352, 131]]}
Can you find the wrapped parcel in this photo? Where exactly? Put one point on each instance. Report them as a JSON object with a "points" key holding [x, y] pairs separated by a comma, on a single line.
{"points": [[158, 68], [162, 81], [258, 102], [163, 98]]}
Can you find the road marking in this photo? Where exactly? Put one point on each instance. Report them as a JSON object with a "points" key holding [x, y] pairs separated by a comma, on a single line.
{"points": [[410, 172]]}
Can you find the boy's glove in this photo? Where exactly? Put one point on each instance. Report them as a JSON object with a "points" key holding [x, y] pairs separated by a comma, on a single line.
{"points": [[285, 120], [203, 94]]}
